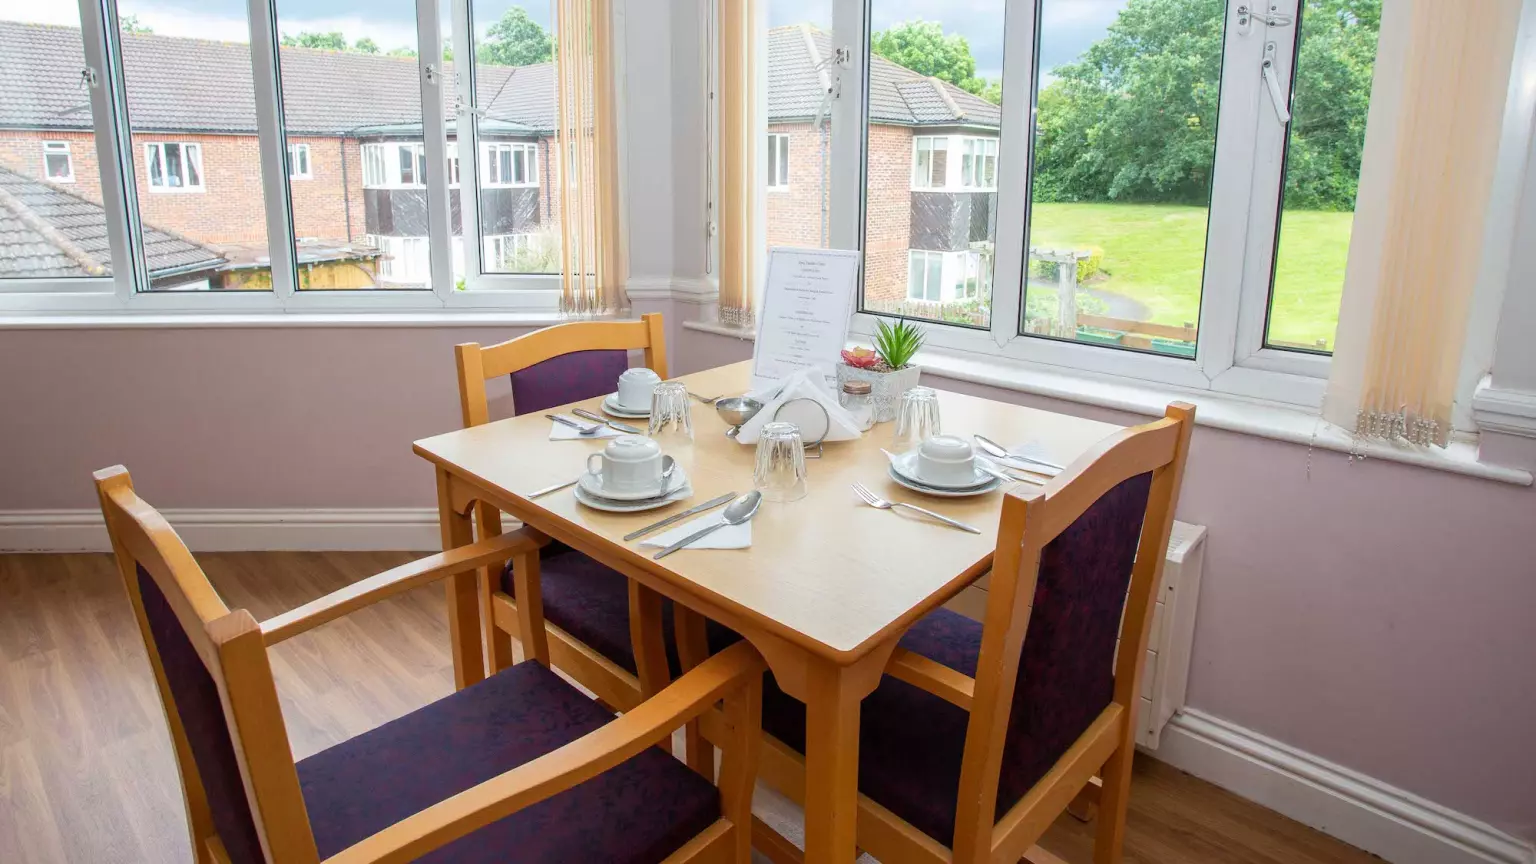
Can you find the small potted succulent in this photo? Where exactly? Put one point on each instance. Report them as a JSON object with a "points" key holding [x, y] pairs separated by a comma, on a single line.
{"points": [[888, 368]]}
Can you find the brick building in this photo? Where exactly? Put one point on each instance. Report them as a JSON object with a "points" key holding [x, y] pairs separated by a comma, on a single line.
{"points": [[357, 164]]}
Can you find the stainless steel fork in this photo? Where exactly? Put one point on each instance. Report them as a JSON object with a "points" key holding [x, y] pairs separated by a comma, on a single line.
{"points": [[879, 503], [707, 400]]}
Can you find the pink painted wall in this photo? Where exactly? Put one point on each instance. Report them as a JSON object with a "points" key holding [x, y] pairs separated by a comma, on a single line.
{"points": [[1372, 613]]}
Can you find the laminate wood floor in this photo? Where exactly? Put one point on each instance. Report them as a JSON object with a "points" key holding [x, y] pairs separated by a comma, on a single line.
{"points": [[86, 772]]}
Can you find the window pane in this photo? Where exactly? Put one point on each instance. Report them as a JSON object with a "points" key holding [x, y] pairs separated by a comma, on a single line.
{"points": [[799, 125], [55, 227], [352, 110], [515, 87], [1120, 188], [1335, 58], [200, 196], [925, 107]]}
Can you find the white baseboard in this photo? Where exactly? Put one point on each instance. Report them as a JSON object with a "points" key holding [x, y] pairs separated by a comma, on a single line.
{"points": [[324, 530], [1362, 811]]}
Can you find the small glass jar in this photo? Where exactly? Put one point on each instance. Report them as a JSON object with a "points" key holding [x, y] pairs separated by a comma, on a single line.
{"points": [[858, 399]]}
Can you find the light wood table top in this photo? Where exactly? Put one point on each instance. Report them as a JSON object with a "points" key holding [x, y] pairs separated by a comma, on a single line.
{"points": [[826, 572]]}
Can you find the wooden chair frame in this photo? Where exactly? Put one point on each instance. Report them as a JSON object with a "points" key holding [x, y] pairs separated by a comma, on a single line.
{"points": [[233, 647], [1031, 519], [501, 617]]}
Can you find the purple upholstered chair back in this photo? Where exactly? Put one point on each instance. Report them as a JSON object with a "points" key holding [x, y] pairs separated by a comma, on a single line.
{"points": [[567, 378], [202, 717], [1065, 677]]}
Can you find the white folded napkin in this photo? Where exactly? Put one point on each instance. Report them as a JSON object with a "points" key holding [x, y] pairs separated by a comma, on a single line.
{"points": [[729, 537], [1033, 450], [562, 432], [804, 384]]}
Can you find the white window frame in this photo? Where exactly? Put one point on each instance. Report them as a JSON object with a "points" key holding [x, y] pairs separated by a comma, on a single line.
{"points": [[928, 184], [1234, 298], [974, 151], [300, 164], [778, 161], [524, 153], [54, 149], [156, 161], [928, 258]]}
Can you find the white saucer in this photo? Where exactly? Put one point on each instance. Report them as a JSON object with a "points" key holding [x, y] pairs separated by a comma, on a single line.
{"points": [[584, 497], [592, 484], [611, 406], [905, 466], [991, 484]]}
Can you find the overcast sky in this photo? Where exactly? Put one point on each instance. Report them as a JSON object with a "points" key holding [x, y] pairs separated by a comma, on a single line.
{"points": [[1068, 26]]}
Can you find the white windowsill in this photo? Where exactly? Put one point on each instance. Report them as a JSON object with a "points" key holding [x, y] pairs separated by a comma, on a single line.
{"points": [[1265, 420], [261, 320]]}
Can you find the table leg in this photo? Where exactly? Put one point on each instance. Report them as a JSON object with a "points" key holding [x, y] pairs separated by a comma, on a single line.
{"points": [[462, 591], [831, 764]]}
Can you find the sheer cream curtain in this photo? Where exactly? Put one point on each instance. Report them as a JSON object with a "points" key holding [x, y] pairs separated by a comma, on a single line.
{"points": [[740, 182], [1440, 85], [592, 280]]}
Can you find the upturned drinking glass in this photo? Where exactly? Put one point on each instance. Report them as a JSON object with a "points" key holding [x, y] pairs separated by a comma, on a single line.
{"points": [[780, 470], [917, 419], [671, 414]]}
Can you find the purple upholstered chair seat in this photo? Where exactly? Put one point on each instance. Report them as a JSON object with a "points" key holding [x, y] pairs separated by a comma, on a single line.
{"points": [[639, 812], [910, 741], [591, 602]]}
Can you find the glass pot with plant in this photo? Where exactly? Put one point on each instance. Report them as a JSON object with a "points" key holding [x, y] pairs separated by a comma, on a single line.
{"points": [[888, 368]]}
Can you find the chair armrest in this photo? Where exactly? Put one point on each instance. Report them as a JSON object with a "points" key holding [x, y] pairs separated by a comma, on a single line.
{"points": [[650, 723], [367, 591], [953, 687]]}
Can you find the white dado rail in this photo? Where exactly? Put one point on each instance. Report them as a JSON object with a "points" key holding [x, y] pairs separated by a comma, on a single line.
{"points": [[1173, 629]]}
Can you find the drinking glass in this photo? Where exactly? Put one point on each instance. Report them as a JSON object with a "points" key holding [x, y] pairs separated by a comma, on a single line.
{"points": [[917, 419], [780, 470], [671, 414]]}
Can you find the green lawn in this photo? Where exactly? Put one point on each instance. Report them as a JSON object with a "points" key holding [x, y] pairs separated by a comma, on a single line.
{"points": [[1155, 254]]}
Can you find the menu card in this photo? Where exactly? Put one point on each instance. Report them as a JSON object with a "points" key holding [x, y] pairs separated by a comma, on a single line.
{"points": [[807, 305]]}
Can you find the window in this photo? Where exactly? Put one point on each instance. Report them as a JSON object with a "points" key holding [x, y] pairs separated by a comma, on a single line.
{"points": [[453, 163], [403, 261], [374, 171], [511, 164], [978, 163], [298, 162], [925, 276], [930, 162], [778, 161], [501, 251], [173, 167], [58, 166]]}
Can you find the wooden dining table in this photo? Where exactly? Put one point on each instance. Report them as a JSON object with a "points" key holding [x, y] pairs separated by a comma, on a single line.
{"points": [[826, 588]]}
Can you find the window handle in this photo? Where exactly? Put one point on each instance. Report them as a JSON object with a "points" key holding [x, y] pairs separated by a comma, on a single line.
{"points": [[1272, 82]]}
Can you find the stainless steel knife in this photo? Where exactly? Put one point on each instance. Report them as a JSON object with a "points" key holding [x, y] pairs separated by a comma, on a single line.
{"points": [[691, 511], [598, 418]]}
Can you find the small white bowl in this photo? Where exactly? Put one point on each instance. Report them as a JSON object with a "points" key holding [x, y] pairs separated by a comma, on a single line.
{"points": [[947, 460]]}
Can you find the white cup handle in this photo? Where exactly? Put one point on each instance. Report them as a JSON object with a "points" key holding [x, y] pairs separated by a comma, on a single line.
{"points": [[599, 469]]}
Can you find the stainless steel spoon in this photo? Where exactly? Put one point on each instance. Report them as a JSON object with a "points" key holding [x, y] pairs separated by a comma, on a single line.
{"points": [[997, 451], [581, 428], [740, 512]]}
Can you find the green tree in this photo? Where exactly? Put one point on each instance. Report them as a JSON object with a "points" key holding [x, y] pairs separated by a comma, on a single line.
{"points": [[1134, 119], [332, 41], [516, 40], [365, 46], [130, 24], [922, 47], [402, 51]]}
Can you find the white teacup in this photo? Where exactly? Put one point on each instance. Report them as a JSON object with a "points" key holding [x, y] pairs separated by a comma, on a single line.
{"points": [[629, 464], [947, 460], [635, 387]]}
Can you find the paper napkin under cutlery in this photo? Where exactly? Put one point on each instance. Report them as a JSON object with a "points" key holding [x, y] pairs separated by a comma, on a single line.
{"points": [[729, 537], [1032, 450], [562, 432], [804, 384]]}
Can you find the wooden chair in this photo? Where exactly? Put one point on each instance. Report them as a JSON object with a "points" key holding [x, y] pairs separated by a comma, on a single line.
{"points": [[981, 734], [588, 607], [519, 766]]}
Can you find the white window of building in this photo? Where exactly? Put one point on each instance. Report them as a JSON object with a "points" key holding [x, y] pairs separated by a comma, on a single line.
{"points": [[298, 162], [174, 167], [778, 161], [925, 275], [501, 250], [930, 162], [453, 163], [58, 165], [978, 163], [374, 173], [514, 164]]}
